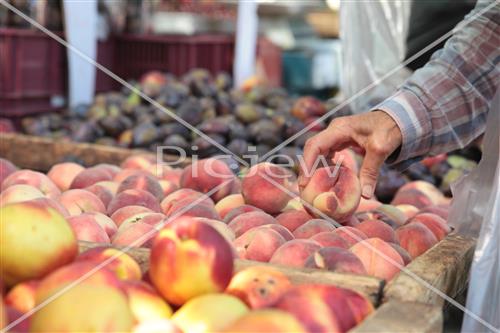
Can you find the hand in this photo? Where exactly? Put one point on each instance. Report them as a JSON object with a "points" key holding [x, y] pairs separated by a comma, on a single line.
{"points": [[375, 134]]}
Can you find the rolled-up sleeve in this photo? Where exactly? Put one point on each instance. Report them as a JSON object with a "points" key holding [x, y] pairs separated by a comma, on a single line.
{"points": [[443, 106]]}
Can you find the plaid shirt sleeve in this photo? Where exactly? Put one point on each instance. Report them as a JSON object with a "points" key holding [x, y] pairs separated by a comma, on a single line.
{"points": [[443, 106]]}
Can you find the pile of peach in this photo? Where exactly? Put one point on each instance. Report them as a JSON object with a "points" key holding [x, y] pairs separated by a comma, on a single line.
{"points": [[190, 285]]}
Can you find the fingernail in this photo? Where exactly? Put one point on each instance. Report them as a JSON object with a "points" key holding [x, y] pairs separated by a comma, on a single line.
{"points": [[367, 191]]}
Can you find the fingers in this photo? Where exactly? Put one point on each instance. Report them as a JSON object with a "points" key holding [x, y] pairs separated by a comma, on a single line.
{"points": [[368, 174]]}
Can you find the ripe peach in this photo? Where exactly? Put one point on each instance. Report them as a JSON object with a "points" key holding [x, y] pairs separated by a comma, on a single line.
{"points": [[85, 308], [190, 258], [173, 175], [188, 207], [220, 226], [352, 222], [294, 253], [258, 244], [416, 238], [390, 215], [24, 251], [124, 266], [207, 175], [46, 202], [22, 296], [19, 193], [294, 204], [62, 174], [402, 252], [292, 219], [434, 223], [259, 286], [90, 176], [419, 194], [139, 161], [103, 221], [125, 173], [336, 196], [168, 187], [313, 227], [330, 239], [138, 234], [124, 213], [263, 187], [143, 182], [14, 315], [102, 192], [284, 232], [366, 205], [378, 257], [377, 229], [133, 197], [347, 158], [6, 168], [32, 178], [111, 169], [209, 313], [153, 219], [337, 260], [144, 302], [350, 235], [239, 211], [156, 326], [228, 203], [441, 210], [111, 185], [268, 320], [183, 194], [408, 210], [80, 201], [87, 229], [247, 221]]}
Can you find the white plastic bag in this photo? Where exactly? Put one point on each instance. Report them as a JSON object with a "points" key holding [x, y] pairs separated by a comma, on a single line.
{"points": [[373, 35], [476, 212]]}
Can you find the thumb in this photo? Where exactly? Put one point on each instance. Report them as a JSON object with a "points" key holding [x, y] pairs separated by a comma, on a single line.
{"points": [[369, 173]]}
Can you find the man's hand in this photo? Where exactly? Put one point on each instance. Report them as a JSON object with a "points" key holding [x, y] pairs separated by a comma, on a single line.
{"points": [[375, 134]]}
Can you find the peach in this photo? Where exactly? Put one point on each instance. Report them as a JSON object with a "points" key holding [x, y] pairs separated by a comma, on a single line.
{"points": [[325, 308], [352, 222], [144, 302], [14, 315], [350, 234], [32, 178], [208, 175], [87, 229], [268, 320], [415, 238], [284, 232], [85, 308], [221, 227], [22, 296], [292, 219], [19, 193], [173, 175], [102, 192], [190, 258], [153, 219], [168, 187], [124, 266], [259, 286], [408, 210], [112, 186], [367, 205], [197, 208], [337, 260], [419, 194], [239, 211], [294, 253], [247, 221], [182, 194], [90, 176], [334, 192], [63, 174], [124, 213], [139, 161], [377, 229], [25, 252], [138, 234], [294, 204], [52, 204], [133, 197], [156, 326], [6, 168], [378, 257], [159, 170], [228, 203], [434, 223], [390, 215], [330, 239], [347, 158], [103, 221], [258, 244], [125, 173], [263, 187], [209, 313], [402, 252], [65, 278], [80, 201], [313, 227], [142, 182], [111, 169], [442, 211]]}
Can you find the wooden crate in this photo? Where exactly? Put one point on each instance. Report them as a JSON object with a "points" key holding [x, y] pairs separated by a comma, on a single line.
{"points": [[393, 316]]}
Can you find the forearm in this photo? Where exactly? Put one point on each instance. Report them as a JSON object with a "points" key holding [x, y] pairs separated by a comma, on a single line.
{"points": [[443, 106]]}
